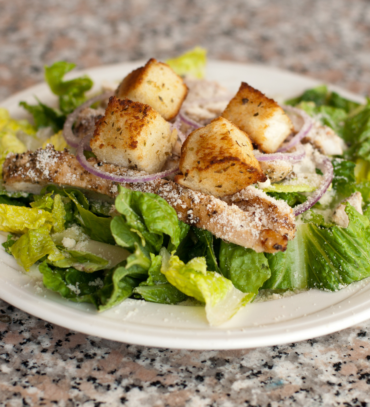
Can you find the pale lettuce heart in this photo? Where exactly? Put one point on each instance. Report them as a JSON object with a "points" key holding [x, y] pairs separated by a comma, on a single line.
{"points": [[17, 219], [221, 298], [33, 246], [191, 63]]}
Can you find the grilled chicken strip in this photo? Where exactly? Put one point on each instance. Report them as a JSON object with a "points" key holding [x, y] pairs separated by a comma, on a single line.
{"points": [[31, 171], [273, 214]]}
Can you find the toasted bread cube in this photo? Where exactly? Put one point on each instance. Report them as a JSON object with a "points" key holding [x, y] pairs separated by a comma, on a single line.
{"points": [[156, 85], [261, 118], [218, 159], [133, 135]]}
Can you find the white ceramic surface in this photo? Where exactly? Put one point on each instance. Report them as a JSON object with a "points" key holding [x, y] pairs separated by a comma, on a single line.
{"points": [[303, 316]]}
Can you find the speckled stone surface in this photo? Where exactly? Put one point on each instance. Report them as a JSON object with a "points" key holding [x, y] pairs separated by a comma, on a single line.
{"points": [[42, 364]]}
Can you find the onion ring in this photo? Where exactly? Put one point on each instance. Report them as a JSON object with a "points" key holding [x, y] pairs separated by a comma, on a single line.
{"points": [[307, 126], [68, 134], [112, 177], [293, 157], [176, 125], [325, 165], [184, 118]]}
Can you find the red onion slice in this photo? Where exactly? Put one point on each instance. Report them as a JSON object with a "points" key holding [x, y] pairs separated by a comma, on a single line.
{"points": [[177, 125], [325, 165], [307, 126], [112, 177], [293, 157], [70, 138], [184, 118]]}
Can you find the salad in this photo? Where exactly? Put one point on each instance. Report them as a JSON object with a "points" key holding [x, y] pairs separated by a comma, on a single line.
{"points": [[163, 197]]}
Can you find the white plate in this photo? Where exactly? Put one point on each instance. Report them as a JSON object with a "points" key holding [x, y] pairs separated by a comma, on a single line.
{"points": [[303, 316]]}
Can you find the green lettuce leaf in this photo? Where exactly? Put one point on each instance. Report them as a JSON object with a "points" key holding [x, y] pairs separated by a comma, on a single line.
{"points": [[82, 261], [221, 298], [10, 240], [150, 216], [105, 288], [120, 282], [356, 133], [71, 94], [73, 284], [96, 227], [15, 198], [199, 243], [344, 182], [45, 116], [322, 96], [364, 188], [191, 63], [33, 246], [291, 198], [246, 269], [59, 214], [45, 202], [324, 257], [156, 288]]}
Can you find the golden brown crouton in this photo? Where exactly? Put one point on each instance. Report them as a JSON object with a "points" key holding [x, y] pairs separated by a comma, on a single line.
{"points": [[156, 85], [133, 135], [218, 160], [276, 170], [261, 118]]}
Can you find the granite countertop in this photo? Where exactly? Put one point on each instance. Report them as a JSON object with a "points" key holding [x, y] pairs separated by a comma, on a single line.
{"points": [[42, 364]]}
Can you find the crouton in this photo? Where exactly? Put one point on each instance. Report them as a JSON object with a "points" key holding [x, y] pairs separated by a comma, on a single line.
{"points": [[218, 160], [261, 118], [340, 217], [133, 135], [156, 85], [277, 170]]}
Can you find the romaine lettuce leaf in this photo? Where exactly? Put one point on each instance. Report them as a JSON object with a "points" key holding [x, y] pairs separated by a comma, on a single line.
{"points": [[9, 125], [356, 132], [71, 94], [10, 240], [33, 246], [45, 116], [324, 257], [73, 284], [59, 214], [322, 96], [104, 288], [156, 288], [222, 299], [96, 227], [15, 198], [57, 140], [291, 198], [246, 269], [199, 243], [45, 202], [344, 182], [9, 142], [120, 282], [206, 239], [82, 261], [191, 63], [19, 220], [150, 216]]}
